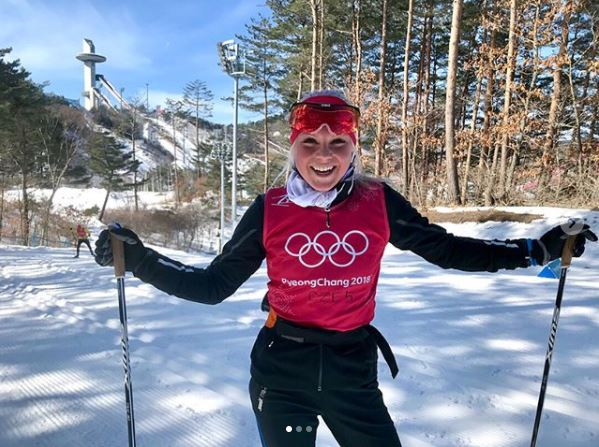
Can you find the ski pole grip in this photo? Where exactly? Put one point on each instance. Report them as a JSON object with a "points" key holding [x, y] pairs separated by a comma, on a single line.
{"points": [[118, 256], [568, 250]]}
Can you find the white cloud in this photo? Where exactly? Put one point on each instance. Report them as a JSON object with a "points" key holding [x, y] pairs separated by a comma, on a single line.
{"points": [[47, 37]]}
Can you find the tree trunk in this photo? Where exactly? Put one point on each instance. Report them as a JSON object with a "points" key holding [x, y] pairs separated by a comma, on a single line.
{"points": [[357, 44], [380, 132], [177, 198], [134, 173], [452, 175], [474, 119], [488, 196], [320, 45], [1, 203], [487, 143], [507, 100], [101, 216], [46, 219], [406, 98], [577, 131], [197, 135], [25, 224], [300, 88], [314, 9], [550, 136], [266, 161], [529, 91], [427, 89]]}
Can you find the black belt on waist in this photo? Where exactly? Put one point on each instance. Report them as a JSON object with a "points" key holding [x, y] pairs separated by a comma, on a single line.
{"points": [[301, 334]]}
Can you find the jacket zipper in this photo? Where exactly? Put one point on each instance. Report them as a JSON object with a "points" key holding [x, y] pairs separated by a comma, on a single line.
{"points": [[328, 211], [320, 369]]}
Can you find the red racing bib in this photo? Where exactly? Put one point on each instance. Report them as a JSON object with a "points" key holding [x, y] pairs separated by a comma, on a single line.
{"points": [[323, 270]]}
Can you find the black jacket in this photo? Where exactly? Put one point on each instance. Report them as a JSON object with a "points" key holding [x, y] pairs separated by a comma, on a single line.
{"points": [[244, 253]]}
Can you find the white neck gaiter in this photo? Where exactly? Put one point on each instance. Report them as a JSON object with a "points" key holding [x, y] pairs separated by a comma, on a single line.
{"points": [[302, 194]]}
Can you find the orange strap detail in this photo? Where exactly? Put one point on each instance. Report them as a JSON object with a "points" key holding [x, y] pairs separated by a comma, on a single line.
{"points": [[271, 320]]}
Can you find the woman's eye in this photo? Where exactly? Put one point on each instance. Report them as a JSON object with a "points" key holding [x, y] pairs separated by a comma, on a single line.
{"points": [[338, 143]]}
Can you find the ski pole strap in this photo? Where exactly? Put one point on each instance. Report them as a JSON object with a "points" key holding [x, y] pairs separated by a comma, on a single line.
{"points": [[568, 251], [301, 334], [531, 259]]}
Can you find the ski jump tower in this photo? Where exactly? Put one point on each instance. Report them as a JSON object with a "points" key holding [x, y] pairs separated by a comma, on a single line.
{"points": [[89, 59]]}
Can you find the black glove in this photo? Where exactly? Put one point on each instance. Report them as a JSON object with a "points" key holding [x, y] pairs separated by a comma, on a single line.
{"points": [[134, 248], [551, 244]]}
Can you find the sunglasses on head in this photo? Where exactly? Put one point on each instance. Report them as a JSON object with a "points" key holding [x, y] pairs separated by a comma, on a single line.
{"points": [[308, 117]]}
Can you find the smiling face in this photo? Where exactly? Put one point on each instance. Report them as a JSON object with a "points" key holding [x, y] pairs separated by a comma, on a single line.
{"points": [[322, 157]]}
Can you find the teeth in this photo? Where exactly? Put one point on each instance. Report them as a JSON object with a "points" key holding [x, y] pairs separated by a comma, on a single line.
{"points": [[322, 169]]}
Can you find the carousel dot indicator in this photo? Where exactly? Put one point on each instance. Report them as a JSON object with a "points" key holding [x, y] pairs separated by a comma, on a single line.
{"points": [[289, 429]]}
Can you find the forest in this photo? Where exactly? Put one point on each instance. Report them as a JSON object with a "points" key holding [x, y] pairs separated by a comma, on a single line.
{"points": [[486, 102]]}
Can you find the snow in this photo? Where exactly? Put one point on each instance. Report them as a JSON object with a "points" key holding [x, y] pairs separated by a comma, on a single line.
{"points": [[470, 347], [82, 199], [185, 144]]}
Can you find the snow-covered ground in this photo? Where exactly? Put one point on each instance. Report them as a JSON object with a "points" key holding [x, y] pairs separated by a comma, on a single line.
{"points": [[82, 199], [470, 346]]}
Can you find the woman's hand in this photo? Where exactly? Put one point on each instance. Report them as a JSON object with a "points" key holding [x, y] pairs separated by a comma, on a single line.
{"points": [[134, 248], [551, 244]]}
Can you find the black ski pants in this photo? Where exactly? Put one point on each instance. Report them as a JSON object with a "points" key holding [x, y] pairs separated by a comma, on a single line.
{"points": [[294, 382], [86, 242], [356, 417]]}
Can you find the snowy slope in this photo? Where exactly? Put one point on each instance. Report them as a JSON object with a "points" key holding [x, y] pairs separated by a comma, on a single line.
{"points": [[82, 199], [470, 348]]}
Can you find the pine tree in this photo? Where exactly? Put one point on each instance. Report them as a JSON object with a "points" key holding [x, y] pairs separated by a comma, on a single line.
{"points": [[21, 109], [263, 71], [111, 163], [197, 98]]}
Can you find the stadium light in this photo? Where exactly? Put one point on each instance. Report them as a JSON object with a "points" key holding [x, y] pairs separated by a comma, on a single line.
{"points": [[233, 63]]}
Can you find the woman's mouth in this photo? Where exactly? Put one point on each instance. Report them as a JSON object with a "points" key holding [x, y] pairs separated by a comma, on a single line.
{"points": [[322, 171]]}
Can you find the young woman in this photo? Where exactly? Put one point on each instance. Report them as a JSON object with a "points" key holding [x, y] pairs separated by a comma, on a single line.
{"points": [[323, 237]]}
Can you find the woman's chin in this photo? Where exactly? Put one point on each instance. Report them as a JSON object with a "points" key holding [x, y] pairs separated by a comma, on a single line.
{"points": [[322, 184]]}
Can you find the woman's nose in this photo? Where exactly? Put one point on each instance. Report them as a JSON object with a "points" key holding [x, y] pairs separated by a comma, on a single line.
{"points": [[324, 149]]}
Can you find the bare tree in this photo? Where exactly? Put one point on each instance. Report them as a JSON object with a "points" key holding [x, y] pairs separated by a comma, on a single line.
{"points": [[406, 98], [63, 133], [452, 174], [382, 113], [315, 6], [507, 98], [559, 61], [175, 108]]}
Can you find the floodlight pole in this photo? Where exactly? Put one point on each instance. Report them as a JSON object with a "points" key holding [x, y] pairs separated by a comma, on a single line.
{"points": [[221, 153], [234, 179], [221, 239], [232, 63]]}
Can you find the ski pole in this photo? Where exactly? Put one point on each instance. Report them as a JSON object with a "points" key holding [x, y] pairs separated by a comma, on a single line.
{"points": [[118, 253], [565, 264]]}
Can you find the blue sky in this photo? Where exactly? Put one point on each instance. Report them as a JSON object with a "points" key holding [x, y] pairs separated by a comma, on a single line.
{"points": [[160, 42]]}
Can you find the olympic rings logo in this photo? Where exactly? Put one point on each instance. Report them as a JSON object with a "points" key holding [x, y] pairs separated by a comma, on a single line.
{"points": [[319, 248]]}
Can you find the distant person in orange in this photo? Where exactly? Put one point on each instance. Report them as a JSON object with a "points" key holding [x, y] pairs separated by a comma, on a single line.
{"points": [[82, 234]]}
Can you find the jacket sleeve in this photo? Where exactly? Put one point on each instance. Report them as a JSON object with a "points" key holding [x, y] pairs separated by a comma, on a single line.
{"points": [[409, 230], [240, 258]]}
